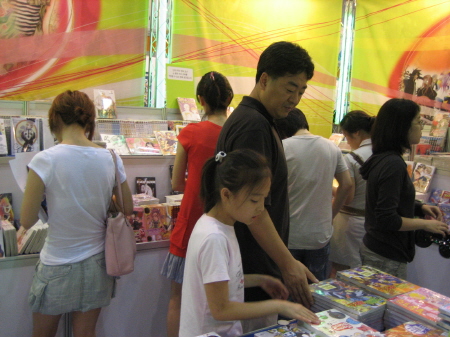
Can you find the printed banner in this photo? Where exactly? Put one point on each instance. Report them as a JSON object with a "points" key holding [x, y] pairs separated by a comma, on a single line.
{"points": [[48, 46], [229, 36], [402, 49]]}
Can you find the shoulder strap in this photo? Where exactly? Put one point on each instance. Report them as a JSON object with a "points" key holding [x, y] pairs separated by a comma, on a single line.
{"points": [[358, 159], [117, 190]]}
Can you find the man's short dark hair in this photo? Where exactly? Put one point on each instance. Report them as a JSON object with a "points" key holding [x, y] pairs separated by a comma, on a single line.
{"points": [[295, 120], [282, 58]]}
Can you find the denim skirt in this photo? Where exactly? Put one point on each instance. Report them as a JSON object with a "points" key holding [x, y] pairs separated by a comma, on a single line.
{"points": [[80, 286], [173, 268]]}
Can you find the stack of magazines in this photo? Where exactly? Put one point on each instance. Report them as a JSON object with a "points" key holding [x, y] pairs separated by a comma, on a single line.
{"points": [[336, 323], [420, 305], [356, 302], [376, 281], [414, 328], [444, 315]]}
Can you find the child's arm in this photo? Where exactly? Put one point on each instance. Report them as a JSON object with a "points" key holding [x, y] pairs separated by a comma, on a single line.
{"points": [[222, 309], [271, 285], [179, 169]]}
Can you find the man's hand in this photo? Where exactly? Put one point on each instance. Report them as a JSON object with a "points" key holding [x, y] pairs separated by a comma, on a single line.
{"points": [[295, 277]]}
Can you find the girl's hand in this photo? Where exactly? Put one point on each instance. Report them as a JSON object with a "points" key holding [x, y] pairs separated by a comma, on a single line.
{"points": [[437, 227], [274, 287], [432, 211], [298, 311]]}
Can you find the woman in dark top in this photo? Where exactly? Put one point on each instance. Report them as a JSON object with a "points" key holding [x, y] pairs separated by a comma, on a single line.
{"points": [[390, 196]]}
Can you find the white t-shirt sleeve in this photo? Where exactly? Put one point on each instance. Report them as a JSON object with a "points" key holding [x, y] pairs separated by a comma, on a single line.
{"points": [[213, 259], [121, 169], [341, 164], [42, 165]]}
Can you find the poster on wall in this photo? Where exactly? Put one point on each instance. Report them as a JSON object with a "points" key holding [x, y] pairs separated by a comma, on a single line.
{"points": [[399, 52]]}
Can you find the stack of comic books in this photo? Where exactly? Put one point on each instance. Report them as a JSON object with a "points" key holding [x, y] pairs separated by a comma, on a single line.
{"points": [[349, 299], [9, 239], [337, 323], [413, 328], [376, 281], [444, 315], [420, 305], [31, 241]]}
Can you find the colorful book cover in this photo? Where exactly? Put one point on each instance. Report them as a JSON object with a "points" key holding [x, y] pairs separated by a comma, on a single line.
{"points": [[422, 177], [445, 197], [25, 135], [6, 209], [143, 146], [409, 168], [167, 142], [413, 328], [336, 323], [3, 140], [439, 125], [377, 281], [350, 297], [136, 222], [445, 210], [422, 303], [435, 196], [116, 143], [2, 243], [188, 109], [146, 185], [155, 222], [445, 309], [105, 103]]}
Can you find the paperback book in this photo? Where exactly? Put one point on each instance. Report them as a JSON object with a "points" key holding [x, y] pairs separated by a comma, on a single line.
{"points": [[188, 109], [3, 139], [347, 296], [167, 142], [25, 135], [105, 103], [6, 209], [439, 196], [116, 143], [291, 329], [413, 328], [146, 185], [422, 176], [9, 238], [143, 146], [376, 281], [421, 304], [335, 323], [409, 168]]}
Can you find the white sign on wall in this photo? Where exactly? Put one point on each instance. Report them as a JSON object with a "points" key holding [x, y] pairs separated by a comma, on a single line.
{"points": [[180, 74]]}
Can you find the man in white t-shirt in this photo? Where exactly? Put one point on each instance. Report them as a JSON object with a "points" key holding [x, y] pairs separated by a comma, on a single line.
{"points": [[313, 162]]}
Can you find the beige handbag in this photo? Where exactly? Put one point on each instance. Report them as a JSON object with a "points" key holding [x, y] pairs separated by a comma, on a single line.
{"points": [[120, 245]]}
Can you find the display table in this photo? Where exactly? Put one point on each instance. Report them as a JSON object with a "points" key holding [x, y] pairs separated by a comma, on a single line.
{"points": [[139, 308]]}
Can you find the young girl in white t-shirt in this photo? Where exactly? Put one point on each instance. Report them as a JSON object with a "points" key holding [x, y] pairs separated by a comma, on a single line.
{"points": [[234, 187]]}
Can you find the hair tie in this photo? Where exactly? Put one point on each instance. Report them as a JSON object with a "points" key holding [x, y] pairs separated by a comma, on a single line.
{"points": [[211, 74], [220, 155]]}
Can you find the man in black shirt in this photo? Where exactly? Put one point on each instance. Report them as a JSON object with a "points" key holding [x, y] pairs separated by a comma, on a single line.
{"points": [[283, 71]]}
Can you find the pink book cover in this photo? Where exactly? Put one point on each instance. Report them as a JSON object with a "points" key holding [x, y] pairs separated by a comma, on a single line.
{"points": [[155, 222], [423, 302], [413, 328]]}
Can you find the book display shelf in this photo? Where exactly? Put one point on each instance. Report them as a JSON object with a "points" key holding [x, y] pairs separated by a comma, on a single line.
{"points": [[141, 294]]}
